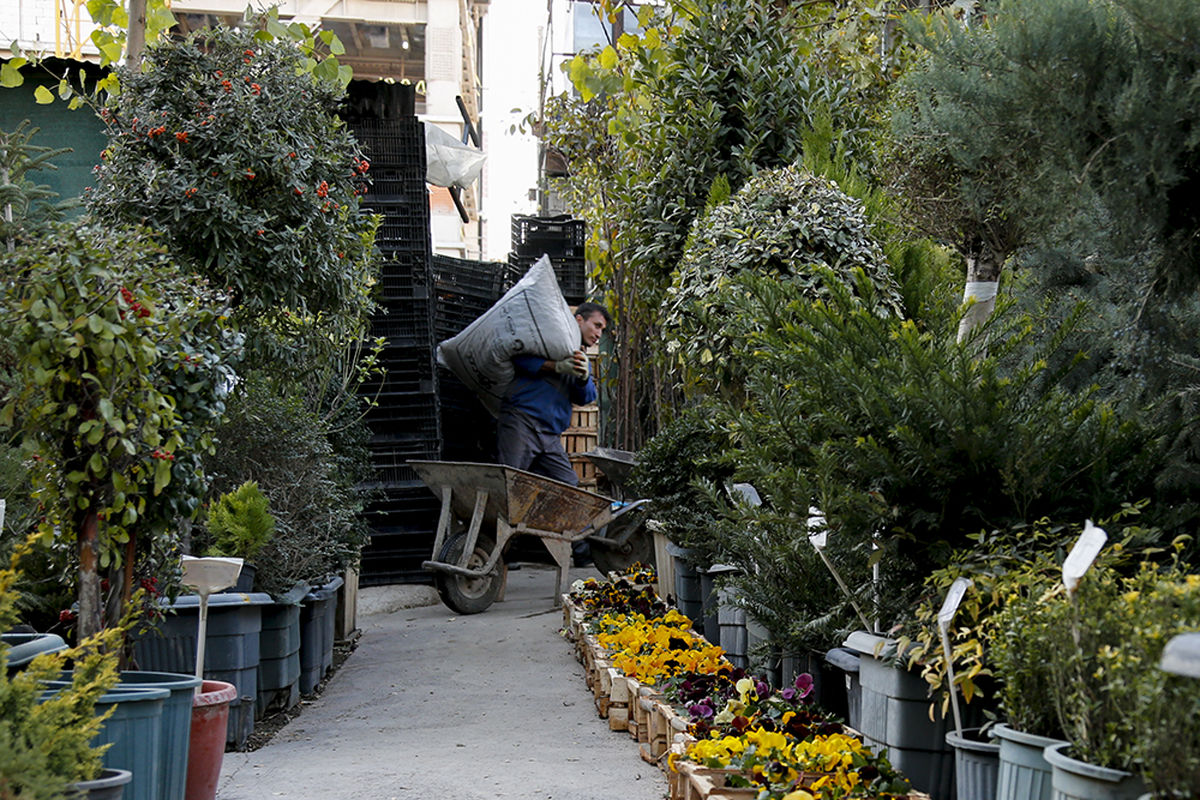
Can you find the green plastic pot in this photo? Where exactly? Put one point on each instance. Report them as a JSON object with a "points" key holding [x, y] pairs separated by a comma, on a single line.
{"points": [[1073, 779]]}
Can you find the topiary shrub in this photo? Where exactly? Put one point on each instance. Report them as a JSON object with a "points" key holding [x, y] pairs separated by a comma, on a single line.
{"points": [[240, 523], [225, 143], [784, 223]]}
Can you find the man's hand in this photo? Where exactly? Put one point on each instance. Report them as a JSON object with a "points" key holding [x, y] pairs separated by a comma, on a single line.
{"points": [[575, 364]]}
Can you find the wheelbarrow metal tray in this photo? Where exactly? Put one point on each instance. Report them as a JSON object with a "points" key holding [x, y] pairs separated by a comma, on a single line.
{"points": [[517, 496], [617, 465]]}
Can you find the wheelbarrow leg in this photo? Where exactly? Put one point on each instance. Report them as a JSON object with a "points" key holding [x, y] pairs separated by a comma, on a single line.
{"points": [[481, 498], [560, 551]]}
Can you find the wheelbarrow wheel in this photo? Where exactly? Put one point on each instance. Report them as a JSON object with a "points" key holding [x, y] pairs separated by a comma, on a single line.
{"points": [[639, 547], [469, 595]]}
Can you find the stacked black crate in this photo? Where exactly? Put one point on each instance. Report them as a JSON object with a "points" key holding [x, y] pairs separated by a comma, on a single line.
{"points": [[464, 290], [405, 419], [561, 238]]}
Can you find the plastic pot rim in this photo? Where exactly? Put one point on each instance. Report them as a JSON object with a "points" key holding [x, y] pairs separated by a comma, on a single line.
{"points": [[214, 693]]}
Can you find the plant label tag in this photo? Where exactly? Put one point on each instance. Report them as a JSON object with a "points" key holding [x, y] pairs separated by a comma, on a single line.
{"points": [[818, 534], [1080, 559], [3, 506], [1181, 656], [953, 599], [746, 493]]}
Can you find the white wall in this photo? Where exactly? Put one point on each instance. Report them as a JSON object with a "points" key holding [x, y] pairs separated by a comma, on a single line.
{"points": [[512, 41]]}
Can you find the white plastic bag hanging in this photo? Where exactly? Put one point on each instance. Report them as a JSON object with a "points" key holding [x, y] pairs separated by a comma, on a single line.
{"points": [[449, 162]]}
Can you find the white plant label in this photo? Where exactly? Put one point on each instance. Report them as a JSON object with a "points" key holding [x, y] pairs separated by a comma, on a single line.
{"points": [[818, 534], [3, 506], [1181, 656], [953, 599], [1082, 555], [747, 493]]}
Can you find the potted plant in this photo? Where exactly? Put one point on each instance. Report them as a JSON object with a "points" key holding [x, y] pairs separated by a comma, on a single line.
{"points": [[48, 735], [240, 524]]}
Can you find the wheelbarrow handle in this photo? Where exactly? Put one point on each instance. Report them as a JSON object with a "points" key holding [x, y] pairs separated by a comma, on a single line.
{"points": [[608, 515]]}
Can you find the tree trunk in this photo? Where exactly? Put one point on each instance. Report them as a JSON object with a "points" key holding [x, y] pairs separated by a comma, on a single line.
{"points": [[136, 41], [984, 265], [90, 603]]}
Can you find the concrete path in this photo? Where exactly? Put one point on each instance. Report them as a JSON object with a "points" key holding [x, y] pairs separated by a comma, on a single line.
{"points": [[434, 705]]}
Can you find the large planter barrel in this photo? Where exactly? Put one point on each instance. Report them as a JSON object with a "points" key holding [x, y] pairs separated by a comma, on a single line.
{"points": [[279, 653], [25, 647], [1024, 772], [894, 715], [231, 653], [135, 732], [976, 762], [318, 622], [210, 720], [1073, 779], [176, 721], [687, 585]]}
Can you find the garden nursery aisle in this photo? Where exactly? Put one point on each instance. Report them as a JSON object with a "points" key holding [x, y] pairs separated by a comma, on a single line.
{"points": [[436, 705]]}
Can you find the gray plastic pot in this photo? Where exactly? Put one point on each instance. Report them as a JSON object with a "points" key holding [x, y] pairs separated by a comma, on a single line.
{"points": [[976, 764], [1024, 772], [110, 785], [1077, 780]]}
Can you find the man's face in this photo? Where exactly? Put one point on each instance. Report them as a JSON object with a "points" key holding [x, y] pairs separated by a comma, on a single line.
{"points": [[590, 327]]}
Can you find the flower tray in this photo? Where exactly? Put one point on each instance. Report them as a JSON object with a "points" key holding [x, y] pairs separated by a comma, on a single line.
{"points": [[664, 727], [691, 781]]}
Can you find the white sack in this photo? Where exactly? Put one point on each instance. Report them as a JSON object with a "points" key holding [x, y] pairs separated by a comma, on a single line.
{"points": [[449, 162], [532, 318]]}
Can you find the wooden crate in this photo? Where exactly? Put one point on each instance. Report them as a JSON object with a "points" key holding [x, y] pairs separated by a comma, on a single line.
{"points": [[586, 418], [585, 470], [578, 442]]}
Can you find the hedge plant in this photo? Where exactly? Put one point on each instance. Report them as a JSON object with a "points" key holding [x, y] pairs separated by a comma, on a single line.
{"points": [[786, 223]]}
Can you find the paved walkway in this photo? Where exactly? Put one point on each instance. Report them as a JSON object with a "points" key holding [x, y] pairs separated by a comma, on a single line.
{"points": [[434, 705]]}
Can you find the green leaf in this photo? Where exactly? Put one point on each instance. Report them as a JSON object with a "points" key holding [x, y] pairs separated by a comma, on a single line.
{"points": [[608, 57], [10, 76], [15, 49], [276, 28], [96, 464], [335, 45], [162, 475]]}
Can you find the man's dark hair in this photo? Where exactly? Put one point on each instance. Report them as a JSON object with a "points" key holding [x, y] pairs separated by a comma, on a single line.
{"points": [[586, 310]]}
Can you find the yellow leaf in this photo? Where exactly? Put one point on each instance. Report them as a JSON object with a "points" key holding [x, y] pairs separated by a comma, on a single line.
{"points": [[42, 96], [608, 57]]}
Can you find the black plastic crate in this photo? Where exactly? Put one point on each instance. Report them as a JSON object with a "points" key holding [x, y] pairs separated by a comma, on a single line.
{"points": [[571, 274], [403, 234], [404, 324], [389, 191], [474, 278], [403, 370], [404, 413], [555, 236], [392, 142]]}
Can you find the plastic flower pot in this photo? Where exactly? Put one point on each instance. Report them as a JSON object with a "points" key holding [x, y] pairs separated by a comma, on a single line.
{"points": [[109, 785], [279, 653], [318, 617], [25, 647], [176, 721], [687, 584], [1024, 773], [135, 733], [894, 715], [976, 763], [210, 716], [231, 653], [1073, 779]]}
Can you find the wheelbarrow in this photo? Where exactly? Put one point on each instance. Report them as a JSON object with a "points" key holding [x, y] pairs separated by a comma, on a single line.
{"points": [[469, 563], [617, 465]]}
